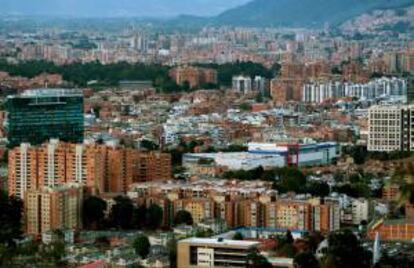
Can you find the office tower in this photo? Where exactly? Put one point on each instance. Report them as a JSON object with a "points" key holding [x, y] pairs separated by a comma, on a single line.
{"points": [[38, 115], [390, 128], [53, 208]]}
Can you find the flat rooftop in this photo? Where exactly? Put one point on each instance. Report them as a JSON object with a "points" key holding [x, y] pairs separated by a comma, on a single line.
{"points": [[48, 92], [215, 242]]}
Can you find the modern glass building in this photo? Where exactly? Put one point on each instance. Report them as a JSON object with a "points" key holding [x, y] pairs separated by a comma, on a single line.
{"points": [[36, 116]]}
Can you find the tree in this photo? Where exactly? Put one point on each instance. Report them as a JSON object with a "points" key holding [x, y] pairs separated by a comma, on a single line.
{"points": [[122, 213], [183, 217], [138, 221], [345, 251], [359, 154], [255, 260], [142, 246], [318, 188], [153, 217], [289, 238], [93, 212], [149, 145], [290, 179], [306, 260], [172, 251], [11, 209], [238, 236]]}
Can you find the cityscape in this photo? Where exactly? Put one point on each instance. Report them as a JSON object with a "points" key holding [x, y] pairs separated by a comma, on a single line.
{"points": [[207, 133]]}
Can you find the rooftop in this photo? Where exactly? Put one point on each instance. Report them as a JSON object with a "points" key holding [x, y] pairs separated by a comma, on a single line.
{"points": [[49, 92], [218, 242]]}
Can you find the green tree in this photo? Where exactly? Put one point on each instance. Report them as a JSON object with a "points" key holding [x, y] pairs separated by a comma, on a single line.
{"points": [[93, 212], [142, 246], [345, 251], [306, 260], [183, 217], [321, 189], [122, 213], [11, 209], [290, 179], [153, 217], [255, 260], [172, 252], [238, 236]]}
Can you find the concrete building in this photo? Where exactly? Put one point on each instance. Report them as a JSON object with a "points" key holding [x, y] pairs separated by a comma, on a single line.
{"points": [[386, 88], [260, 84], [392, 230], [242, 84], [194, 76], [53, 208], [22, 170], [390, 128], [100, 168], [213, 252], [360, 211]]}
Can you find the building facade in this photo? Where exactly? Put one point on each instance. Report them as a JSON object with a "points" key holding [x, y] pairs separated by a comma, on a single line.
{"points": [[53, 208], [390, 128], [36, 116], [210, 252], [100, 168]]}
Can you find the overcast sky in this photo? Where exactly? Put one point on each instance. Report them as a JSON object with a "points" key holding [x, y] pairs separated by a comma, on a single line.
{"points": [[110, 8]]}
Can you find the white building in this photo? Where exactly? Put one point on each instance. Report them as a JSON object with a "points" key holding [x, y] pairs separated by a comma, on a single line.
{"points": [[388, 88], [242, 84], [360, 211], [270, 155], [259, 84]]}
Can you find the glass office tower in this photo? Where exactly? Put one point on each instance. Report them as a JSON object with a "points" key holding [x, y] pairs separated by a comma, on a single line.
{"points": [[36, 116]]}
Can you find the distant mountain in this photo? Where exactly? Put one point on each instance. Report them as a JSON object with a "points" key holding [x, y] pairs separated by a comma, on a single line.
{"points": [[301, 13], [117, 8]]}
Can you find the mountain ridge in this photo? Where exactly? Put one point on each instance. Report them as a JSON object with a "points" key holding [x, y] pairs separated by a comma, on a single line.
{"points": [[301, 13]]}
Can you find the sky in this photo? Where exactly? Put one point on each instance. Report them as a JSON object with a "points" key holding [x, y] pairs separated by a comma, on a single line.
{"points": [[116, 8]]}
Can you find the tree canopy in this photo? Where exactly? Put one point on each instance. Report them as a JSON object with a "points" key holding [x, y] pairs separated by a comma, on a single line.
{"points": [[142, 246], [183, 217], [93, 212]]}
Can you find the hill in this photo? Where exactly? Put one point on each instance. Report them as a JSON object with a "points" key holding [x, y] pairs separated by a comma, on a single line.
{"points": [[301, 13]]}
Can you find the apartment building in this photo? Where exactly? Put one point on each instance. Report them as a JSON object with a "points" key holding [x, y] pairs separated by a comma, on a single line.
{"points": [[53, 208], [242, 84], [238, 204], [22, 170], [390, 128], [194, 76], [99, 168]]}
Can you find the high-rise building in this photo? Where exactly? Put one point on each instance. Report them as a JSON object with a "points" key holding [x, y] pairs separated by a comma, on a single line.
{"points": [[390, 128], [38, 115], [52, 208], [99, 168], [22, 175]]}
